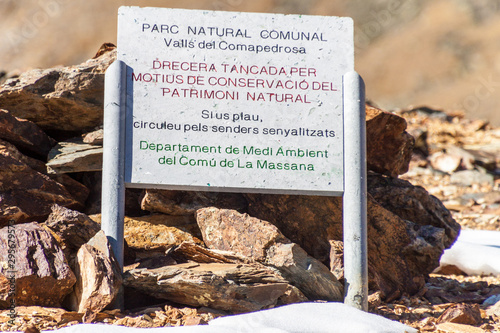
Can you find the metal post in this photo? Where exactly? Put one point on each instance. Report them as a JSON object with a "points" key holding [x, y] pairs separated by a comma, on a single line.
{"points": [[113, 164], [355, 191]]}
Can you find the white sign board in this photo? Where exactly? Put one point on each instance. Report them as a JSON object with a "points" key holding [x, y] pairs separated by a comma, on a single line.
{"points": [[232, 101]]}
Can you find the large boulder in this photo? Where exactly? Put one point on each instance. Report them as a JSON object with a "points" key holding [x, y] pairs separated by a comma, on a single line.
{"points": [[228, 230], [60, 98], [402, 247], [37, 272]]}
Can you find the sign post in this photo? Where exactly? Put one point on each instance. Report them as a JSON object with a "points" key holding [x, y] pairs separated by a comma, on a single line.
{"points": [[230, 102], [354, 200]]}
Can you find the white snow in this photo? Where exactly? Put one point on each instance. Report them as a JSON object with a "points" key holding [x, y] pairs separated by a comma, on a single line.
{"points": [[476, 252], [294, 318]]}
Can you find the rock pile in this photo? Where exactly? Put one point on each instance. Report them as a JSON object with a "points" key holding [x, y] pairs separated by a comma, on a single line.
{"points": [[222, 252]]}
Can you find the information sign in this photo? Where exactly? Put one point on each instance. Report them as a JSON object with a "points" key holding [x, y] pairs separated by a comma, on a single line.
{"points": [[232, 101]]}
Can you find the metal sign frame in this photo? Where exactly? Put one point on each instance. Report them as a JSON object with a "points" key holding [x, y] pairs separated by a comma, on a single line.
{"points": [[355, 182]]}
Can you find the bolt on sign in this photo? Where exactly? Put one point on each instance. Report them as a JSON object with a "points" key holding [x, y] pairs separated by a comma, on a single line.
{"points": [[229, 101]]}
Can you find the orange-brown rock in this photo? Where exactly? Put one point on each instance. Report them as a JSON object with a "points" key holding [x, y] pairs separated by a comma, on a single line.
{"points": [[27, 194], [24, 134], [187, 203], [235, 288], [228, 230], [98, 277], [468, 314], [407, 230], [388, 146], [60, 98], [71, 228], [36, 271], [146, 238]]}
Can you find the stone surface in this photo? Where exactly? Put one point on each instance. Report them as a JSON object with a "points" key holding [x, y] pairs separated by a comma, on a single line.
{"points": [[59, 98], [27, 194], [191, 252], [98, 277], [235, 288], [400, 253], [71, 228], [388, 145], [229, 230], [74, 156], [469, 177], [337, 259], [494, 310], [94, 138], [146, 238], [445, 162], [187, 203], [468, 314], [415, 204], [24, 134], [458, 328], [42, 275]]}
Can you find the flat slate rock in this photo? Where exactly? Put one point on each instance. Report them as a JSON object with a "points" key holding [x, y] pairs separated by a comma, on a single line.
{"points": [[74, 156]]}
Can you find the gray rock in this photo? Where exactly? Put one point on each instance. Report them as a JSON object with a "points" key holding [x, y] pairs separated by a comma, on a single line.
{"points": [[469, 177]]}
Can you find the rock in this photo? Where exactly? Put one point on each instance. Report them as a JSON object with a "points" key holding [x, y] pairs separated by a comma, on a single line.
{"points": [[401, 252], [337, 259], [467, 160], [147, 239], [415, 204], [71, 228], [24, 134], [469, 177], [235, 288], [25, 193], [228, 230], [98, 277], [457, 328], [492, 300], [445, 162], [468, 314], [388, 146], [494, 310], [74, 156], [187, 203], [95, 138], [42, 275], [191, 252], [59, 98]]}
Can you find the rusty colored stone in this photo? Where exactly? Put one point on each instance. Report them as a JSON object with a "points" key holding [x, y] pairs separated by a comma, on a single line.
{"points": [[388, 146], [42, 275]]}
